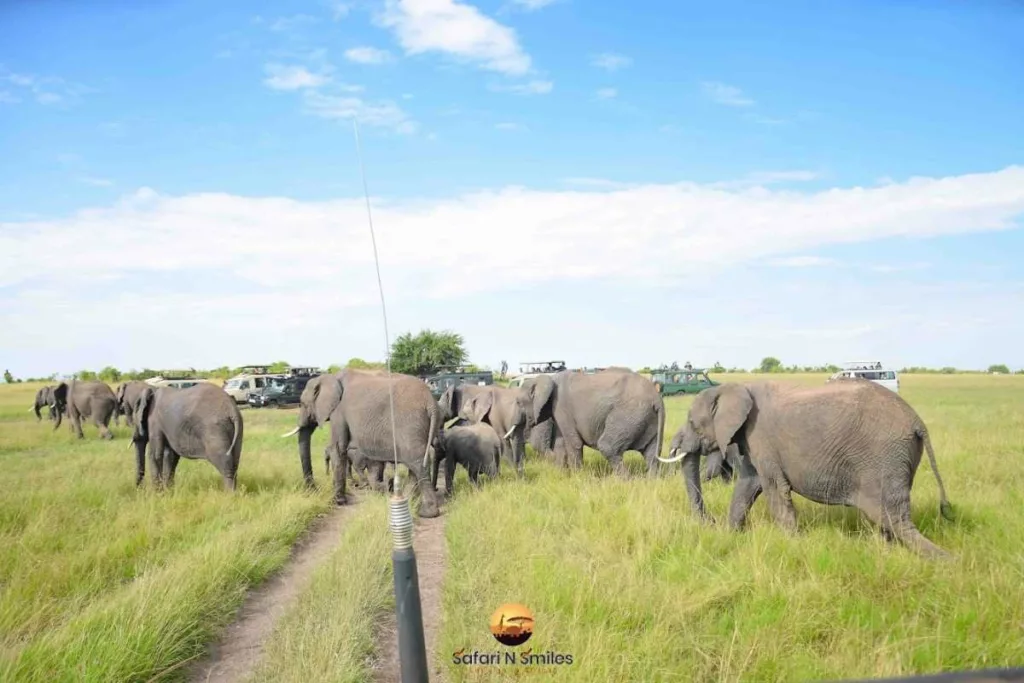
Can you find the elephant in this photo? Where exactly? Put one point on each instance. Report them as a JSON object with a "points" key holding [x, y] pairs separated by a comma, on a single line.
{"points": [[504, 409], [611, 412], [851, 443], [44, 397], [357, 404], [474, 445], [719, 465], [359, 468], [127, 395], [77, 399], [198, 422]]}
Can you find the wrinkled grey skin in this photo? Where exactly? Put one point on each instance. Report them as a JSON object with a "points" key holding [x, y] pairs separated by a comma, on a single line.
{"points": [[849, 443], [76, 400], [474, 445], [717, 465], [611, 412], [503, 408], [45, 398], [199, 423], [356, 402], [127, 394], [315, 408]]}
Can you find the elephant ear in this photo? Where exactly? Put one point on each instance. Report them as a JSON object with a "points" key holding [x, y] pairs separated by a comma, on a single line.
{"points": [[732, 406], [480, 406], [143, 404], [541, 390], [60, 394], [326, 397]]}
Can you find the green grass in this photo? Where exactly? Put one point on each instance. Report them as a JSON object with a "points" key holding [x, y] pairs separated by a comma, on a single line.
{"points": [[621, 576], [101, 582]]}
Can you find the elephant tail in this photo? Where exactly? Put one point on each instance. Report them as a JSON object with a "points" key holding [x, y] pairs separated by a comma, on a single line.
{"points": [[944, 507], [659, 408], [236, 424], [430, 436]]}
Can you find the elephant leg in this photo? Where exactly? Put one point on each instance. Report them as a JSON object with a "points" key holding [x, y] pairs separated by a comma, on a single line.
{"points": [[573, 449], [379, 484], [171, 459], [339, 464], [715, 465], [611, 449], [746, 492], [780, 500], [435, 467], [104, 431], [650, 454], [157, 444], [518, 446], [449, 474], [893, 519], [76, 425], [428, 496], [140, 462]]}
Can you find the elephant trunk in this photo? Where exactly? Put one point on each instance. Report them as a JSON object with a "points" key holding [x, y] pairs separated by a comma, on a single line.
{"points": [[60, 416], [305, 439], [691, 474]]}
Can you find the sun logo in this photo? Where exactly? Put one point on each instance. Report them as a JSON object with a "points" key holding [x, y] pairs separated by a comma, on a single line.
{"points": [[512, 624]]}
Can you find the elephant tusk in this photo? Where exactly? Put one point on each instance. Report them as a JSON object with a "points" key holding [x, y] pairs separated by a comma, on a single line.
{"points": [[130, 444], [509, 432], [31, 409], [291, 433], [672, 458]]}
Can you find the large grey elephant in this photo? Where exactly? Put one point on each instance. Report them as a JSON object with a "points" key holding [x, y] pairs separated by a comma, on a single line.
{"points": [[851, 443], [200, 422], [77, 399], [474, 445], [503, 408], [127, 395], [611, 412], [357, 405], [45, 399]]}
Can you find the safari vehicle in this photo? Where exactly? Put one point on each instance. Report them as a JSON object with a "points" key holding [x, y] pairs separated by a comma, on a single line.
{"points": [[688, 380], [181, 379], [251, 378], [869, 370], [454, 375], [529, 370], [279, 392]]}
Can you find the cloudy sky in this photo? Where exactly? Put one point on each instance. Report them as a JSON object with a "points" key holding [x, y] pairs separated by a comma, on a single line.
{"points": [[593, 181]]}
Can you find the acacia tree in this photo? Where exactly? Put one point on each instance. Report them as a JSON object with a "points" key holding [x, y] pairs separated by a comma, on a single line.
{"points": [[424, 353]]}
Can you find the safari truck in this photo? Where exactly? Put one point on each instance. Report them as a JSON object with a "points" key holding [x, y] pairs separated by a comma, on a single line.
{"points": [[872, 371], [447, 376], [528, 370], [181, 379], [251, 378], [687, 380]]}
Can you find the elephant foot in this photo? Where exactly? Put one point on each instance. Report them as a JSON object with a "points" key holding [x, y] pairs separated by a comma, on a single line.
{"points": [[340, 501], [429, 511]]}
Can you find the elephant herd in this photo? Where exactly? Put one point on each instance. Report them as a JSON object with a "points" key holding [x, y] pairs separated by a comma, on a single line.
{"points": [[849, 442]]}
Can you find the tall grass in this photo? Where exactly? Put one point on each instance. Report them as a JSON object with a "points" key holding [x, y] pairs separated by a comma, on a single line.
{"points": [[100, 581], [620, 575]]}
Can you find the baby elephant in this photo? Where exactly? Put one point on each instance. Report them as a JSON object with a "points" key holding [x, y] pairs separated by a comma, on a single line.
{"points": [[475, 446], [200, 422]]}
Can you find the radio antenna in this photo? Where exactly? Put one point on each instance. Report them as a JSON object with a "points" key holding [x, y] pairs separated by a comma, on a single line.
{"points": [[383, 305]]}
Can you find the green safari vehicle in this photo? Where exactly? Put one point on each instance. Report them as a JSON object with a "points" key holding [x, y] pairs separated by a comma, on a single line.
{"points": [[672, 381]]}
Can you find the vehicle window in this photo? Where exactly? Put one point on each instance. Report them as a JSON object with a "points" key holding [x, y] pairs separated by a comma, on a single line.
{"points": [[244, 385], [233, 384], [888, 374], [259, 382]]}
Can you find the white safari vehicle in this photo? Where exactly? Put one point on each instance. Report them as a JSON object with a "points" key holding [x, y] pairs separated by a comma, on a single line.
{"points": [[869, 370]]}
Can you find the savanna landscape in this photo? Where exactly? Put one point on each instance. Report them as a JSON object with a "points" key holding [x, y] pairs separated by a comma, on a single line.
{"points": [[101, 581]]}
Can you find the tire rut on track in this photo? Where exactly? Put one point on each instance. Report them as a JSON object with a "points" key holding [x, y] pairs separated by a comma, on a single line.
{"points": [[235, 656]]}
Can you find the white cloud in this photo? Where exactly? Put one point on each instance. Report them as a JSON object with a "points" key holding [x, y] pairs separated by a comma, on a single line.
{"points": [[456, 29], [384, 114], [508, 125], [339, 10], [762, 178], [282, 24], [531, 5], [407, 96], [728, 95], [602, 183], [802, 262], [536, 87], [599, 247], [281, 77], [367, 55], [610, 61], [46, 90], [8, 98], [607, 93]]}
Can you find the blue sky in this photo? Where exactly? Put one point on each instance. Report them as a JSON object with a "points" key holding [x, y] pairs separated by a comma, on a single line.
{"points": [[601, 182]]}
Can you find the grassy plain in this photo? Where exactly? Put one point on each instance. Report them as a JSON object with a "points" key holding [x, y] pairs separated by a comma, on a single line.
{"points": [[99, 581]]}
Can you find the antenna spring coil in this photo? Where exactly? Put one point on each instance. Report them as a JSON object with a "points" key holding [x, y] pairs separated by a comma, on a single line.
{"points": [[401, 523]]}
